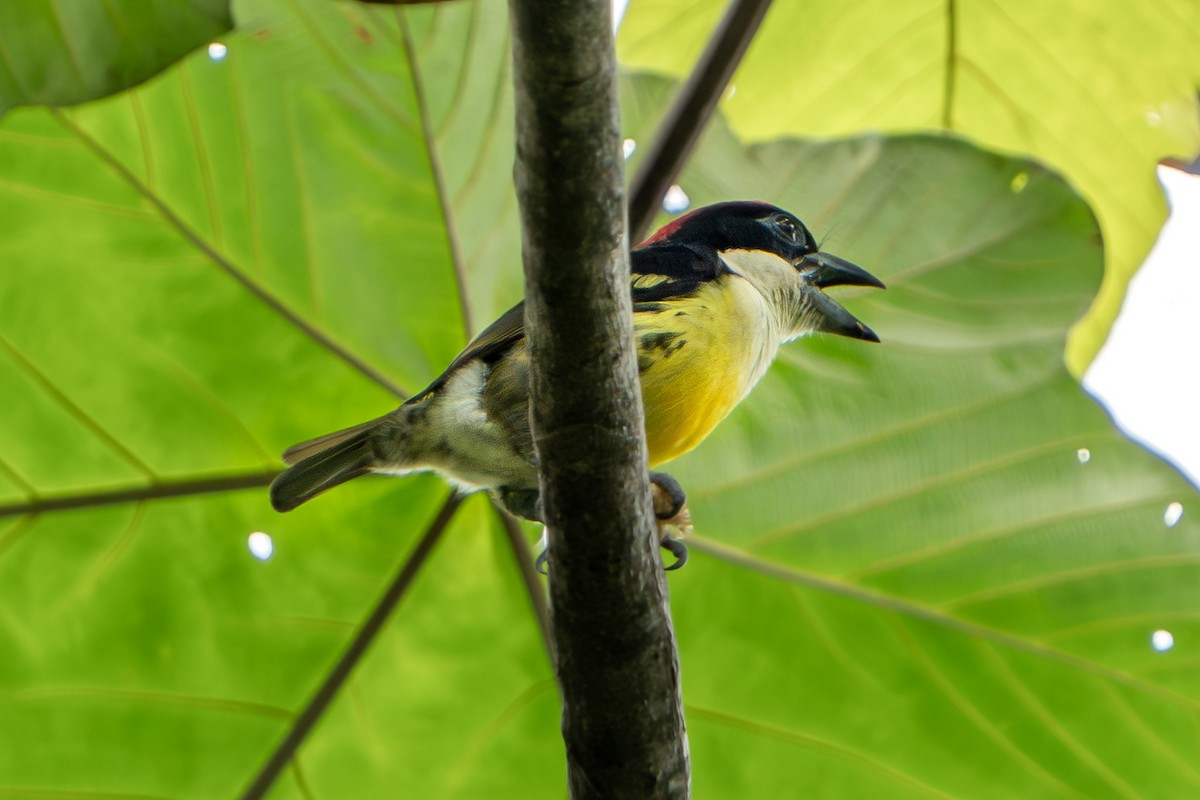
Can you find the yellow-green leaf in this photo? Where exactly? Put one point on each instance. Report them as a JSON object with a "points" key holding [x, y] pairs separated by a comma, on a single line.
{"points": [[1100, 91], [907, 581]]}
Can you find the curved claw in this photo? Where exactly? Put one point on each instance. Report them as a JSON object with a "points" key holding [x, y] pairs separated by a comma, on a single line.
{"points": [[541, 563], [678, 549], [668, 495]]}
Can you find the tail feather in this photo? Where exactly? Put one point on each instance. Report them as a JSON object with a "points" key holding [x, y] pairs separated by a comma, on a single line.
{"points": [[326, 462], [299, 452]]}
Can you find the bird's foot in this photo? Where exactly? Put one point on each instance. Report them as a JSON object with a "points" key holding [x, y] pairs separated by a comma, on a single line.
{"points": [[670, 509], [667, 496], [674, 519]]}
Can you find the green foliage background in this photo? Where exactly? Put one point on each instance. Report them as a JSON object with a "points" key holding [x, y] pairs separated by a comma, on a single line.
{"points": [[905, 582], [1097, 90]]}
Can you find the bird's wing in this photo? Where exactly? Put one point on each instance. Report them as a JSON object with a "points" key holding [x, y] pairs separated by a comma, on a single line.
{"points": [[489, 345], [666, 271], [659, 272]]}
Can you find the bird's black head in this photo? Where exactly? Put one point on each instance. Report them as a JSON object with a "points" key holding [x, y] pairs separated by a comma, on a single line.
{"points": [[741, 225], [740, 231]]}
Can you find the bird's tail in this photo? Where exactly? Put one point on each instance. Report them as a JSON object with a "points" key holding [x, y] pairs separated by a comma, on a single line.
{"points": [[330, 460]]}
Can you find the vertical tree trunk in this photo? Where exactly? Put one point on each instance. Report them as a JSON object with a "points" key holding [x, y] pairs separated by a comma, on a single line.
{"points": [[617, 665]]}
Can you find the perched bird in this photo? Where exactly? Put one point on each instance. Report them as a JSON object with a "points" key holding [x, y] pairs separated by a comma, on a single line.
{"points": [[715, 293]]}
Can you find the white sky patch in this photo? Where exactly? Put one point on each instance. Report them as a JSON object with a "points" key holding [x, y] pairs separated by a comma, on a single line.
{"points": [[676, 200], [217, 51], [618, 7], [1162, 641], [1148, 374], [261, 545]]}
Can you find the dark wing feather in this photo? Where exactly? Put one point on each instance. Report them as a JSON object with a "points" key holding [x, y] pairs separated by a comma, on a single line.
{"points": [[660, 271], [663, 271], [489, 345]]}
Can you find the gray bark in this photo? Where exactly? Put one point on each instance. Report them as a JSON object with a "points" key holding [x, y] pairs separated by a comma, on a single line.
{"points": [[617, 664]]}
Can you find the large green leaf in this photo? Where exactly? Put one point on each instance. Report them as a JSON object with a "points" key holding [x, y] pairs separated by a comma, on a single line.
{"points": [[906, 582], [1099, 90], [65, 52], [935, 561]]}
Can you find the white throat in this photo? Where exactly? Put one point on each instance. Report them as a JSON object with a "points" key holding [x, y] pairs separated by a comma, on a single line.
{"points": [[781, 288]]}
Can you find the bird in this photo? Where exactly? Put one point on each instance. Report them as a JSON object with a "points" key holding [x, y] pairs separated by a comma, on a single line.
{"points": [[715, 293]]}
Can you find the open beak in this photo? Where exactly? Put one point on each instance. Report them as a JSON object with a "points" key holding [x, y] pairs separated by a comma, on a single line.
{"points": [[829, 270], [833, 271]]}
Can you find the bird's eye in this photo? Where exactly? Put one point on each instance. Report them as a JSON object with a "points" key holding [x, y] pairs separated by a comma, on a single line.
{"points": [[787, 228]]}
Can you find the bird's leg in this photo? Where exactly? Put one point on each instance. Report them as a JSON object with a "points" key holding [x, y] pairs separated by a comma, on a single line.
{"points": [[543, 555], [523, 503], [667, 495], [526, 503], [670, 507]]}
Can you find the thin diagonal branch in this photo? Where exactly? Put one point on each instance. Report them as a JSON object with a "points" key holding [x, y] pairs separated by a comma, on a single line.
{"points": [[693, 106], [529, 576], [616, 660], [153, 491], [258, 291], [358, 646]]}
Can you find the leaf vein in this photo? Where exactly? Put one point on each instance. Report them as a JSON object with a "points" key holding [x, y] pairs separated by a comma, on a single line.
{"points": [[348, 69], [814, 744], [243, 131], [1149, 735], [972, 712], [74, 409], [864, 442], [1070, 576], [939, 616], [914, 489], [439, 178], [369, 631], [202, 163], [997, 533], [253, 287], [1032, 702], [156, 698]]}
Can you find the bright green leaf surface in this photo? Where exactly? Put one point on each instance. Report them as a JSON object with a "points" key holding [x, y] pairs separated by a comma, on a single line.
{"points": [[904, 583], [1101, 91], [915, 584], [64, 52]]}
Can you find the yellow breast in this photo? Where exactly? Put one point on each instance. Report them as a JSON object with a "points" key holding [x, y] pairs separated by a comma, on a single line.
{"points": [[698, 358]]}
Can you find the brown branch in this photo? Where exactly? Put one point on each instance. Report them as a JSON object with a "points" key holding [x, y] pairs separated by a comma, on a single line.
{"points": [[153, 491], [691, 110], [617, 665], [311, 714], [529, 575]]}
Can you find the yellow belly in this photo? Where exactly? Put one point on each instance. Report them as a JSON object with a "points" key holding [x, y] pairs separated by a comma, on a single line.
{"points": [[681, 411], [697, 366]]}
